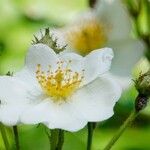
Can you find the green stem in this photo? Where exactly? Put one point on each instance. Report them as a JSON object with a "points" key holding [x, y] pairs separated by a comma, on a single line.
{"points": [[91, 126], [54, 139], [60, 140], [92, 3], [4, 136], [16, 137], [121, 130]]}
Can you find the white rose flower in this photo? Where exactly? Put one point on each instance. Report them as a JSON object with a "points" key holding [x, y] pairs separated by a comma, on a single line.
{"points": [[62, 90], [107, 25]]}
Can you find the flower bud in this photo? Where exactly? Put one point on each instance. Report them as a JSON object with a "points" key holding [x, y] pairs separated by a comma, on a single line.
{"points": [[142, 84], [50, 41], [140, 102]]}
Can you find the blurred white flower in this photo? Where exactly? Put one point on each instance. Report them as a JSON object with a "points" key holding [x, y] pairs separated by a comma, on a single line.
{"points": [[62, 90], [107, 25]]}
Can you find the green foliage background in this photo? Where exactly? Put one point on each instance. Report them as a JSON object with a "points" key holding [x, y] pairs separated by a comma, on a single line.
{"points": [[19, 20]]}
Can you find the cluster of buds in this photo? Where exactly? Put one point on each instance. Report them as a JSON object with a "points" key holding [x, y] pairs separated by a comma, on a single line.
{"points": [[139, 11], [142, 85]]}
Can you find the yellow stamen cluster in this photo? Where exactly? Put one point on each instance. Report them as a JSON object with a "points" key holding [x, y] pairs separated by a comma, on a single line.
{"points": [[87, 36], [59, 84]]}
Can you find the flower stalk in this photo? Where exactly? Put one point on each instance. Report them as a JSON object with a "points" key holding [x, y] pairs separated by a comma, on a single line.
{"points": [[16, 137], [56, 139], [60, 140], [53, 139], [91, 126], [92, 3], [4, 136], [129, 120]]}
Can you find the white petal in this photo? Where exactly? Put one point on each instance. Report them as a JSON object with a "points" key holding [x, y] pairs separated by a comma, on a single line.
{"points": [[95, 101], [125, 82], [40, 54], [27, 77], [13, 91], [54, 115], [126, 54], [10, 114], [115, 16], [76, 63], [96, 63]]}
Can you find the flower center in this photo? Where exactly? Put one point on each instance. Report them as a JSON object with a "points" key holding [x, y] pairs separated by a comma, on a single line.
{"points": [[88, 36], [59, 84]]}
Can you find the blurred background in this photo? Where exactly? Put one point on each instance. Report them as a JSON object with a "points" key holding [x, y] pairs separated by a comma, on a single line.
{"points": [[19, 21]]}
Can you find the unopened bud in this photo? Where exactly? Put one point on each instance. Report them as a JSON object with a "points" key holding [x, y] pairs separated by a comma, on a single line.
{"points": [[49, 40], [142, 84], [140, 102]]}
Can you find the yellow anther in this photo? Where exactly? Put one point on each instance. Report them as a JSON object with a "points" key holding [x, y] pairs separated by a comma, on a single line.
{"points": [[59, 84]]}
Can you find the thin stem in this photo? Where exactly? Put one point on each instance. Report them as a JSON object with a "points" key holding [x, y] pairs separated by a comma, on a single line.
{"points": [[16, 137], [91, 126], [121, 130], [60, 140], [92, 3], [54, 139], [4, 136]]}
